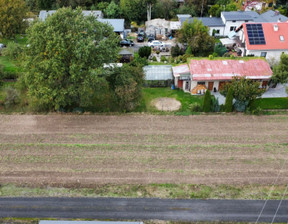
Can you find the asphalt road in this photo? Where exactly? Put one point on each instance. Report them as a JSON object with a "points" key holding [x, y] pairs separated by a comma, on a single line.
{"points": [[143, 209]]}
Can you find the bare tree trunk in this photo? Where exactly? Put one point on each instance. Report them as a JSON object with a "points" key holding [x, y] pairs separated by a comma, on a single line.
{"points": [[149, 9]]}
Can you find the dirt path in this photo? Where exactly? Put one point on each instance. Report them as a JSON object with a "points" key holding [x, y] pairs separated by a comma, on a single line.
{"points": [[71, 150]]}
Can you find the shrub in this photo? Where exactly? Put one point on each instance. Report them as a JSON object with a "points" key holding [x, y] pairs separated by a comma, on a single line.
{"points": [[144, 52], [211, 57], [176, 51], [157, 52], [13, 50], [163, 58], [12, 96], [185, 57], [207, 101], [215, 107], [154, 58], [171, 60], [229, 101], [196, 107], [188, 51]]}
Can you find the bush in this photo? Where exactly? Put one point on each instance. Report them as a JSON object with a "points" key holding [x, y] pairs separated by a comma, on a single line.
{"points": [[176, 51], [215, 107], [196, 107], [207, 101], [163, 58], [171, 60], [185, 57], [211, 57], [188, 51], [13, 50], [229, 101], [144, 52], [12, 96], [154, 58]]}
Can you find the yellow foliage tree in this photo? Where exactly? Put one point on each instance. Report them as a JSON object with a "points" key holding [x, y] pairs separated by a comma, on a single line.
{"points": [[12, 14]]}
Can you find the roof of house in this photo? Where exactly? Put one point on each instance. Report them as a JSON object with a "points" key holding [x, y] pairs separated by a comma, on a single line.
{"points": [[240, 15], [85, 222], [44, 14], [158, 72], [207, 21], [271, 16], [272, 37], [117, 24], [181, 70], [202, 70]]}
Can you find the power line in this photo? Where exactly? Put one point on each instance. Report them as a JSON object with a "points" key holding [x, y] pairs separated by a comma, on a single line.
{"points": [[279, 204]]}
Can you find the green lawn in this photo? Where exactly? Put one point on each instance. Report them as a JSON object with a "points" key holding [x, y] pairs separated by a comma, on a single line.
{"points": [[270, 103], [20, 39], [8, 65], [186, 99]]}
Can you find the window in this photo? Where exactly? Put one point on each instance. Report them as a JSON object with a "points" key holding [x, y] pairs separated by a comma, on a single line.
{"points": [[200, 83], [281, 38], [232, 28], [233, 21], [217, 31], [263, 54], [246, 21]]}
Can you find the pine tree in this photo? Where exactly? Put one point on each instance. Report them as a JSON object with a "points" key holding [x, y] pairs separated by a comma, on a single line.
{"points": [[229, 101], [207, 102]]}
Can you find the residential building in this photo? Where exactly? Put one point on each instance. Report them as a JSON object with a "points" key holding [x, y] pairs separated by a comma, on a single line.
{"points": [[268, 40], [213, 74]]}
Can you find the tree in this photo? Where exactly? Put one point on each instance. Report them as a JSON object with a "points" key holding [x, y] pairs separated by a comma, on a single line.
{"points": [[165, 9], [149, 4], [144, 52], [126, 82], [280, 72], [229, 101], [112, 11], [244, 90], [65, 58], [197, 37], [12, 14], [207, 101]]}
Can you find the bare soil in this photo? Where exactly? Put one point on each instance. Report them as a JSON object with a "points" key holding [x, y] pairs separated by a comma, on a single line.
{"points": [[166, 104], [88, 150]]}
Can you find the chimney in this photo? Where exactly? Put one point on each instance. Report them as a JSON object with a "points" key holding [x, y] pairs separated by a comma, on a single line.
{"points": [[275, 27]]}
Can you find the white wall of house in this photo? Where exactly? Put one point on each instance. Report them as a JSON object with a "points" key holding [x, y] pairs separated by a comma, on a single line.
{"points": [[268, 54], [232, 25], [217, 28]]}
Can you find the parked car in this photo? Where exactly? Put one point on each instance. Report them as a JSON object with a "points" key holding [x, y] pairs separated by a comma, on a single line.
{"points": [[141, 32], [155, 43], [151, 37], [126, 42], [140, 38]]}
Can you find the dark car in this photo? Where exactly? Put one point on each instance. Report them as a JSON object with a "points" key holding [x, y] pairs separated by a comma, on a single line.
{"points": [[140, 38], [126, 42], [151, 37]]}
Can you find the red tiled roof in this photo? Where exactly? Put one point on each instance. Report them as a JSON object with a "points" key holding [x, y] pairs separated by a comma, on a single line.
{"points": [[205, 69], [272, 37], [180, 69]]}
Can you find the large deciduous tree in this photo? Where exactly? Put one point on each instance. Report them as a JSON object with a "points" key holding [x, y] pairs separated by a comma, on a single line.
{"points": [[12, 14], [197, 37], [280, 72], [65, 58]]}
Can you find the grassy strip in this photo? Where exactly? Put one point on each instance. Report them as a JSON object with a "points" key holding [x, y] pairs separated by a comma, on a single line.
{"points": [[174, 191], [149, 94], [8, 65], [270, 103]]}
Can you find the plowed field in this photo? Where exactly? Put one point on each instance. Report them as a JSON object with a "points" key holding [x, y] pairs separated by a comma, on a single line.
{"points": [[85, 150]]}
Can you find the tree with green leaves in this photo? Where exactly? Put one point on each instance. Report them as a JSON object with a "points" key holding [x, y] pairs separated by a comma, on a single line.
{"points": [[207, 101], [229, 101], [280, 71], [126, 82], [144, 52], [12, 15], [197, 37], [65, 57], [244, 90], [149, 4], [112, 11]]}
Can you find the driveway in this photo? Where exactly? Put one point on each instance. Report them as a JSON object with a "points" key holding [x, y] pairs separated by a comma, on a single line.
{"points": [[279, 91]]}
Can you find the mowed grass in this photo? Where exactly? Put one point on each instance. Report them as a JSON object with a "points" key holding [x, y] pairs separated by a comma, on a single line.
{"points": [[173, 191], [270, 103], [150, 94], [8, 65]]}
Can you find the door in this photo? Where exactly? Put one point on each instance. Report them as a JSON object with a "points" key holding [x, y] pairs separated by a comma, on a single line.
{"points": [[221, 85], [210, 86]]}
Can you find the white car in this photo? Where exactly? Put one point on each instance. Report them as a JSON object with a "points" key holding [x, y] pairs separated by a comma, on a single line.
{"points": [[155, 43]]}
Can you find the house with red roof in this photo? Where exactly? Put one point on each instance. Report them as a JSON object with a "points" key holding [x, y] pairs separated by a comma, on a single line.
{"points": [[268, 40], [213, 74]]}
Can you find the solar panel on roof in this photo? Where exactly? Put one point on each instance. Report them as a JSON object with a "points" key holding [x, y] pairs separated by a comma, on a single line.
{"points": [[255, 34]]}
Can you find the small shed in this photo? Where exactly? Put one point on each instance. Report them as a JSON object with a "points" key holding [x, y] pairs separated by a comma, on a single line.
{"points": [[126, 55], [158, 75]]}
